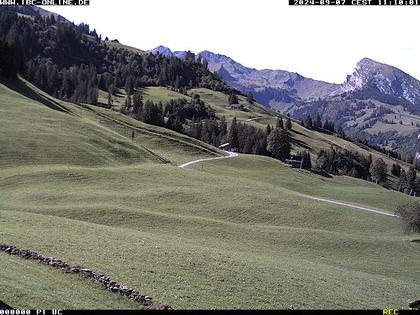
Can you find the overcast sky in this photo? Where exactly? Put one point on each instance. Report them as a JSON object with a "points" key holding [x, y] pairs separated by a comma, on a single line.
{"points": [[323, 43]]}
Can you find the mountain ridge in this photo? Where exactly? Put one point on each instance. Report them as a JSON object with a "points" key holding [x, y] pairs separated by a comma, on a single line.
{"points": [[377, 102]]}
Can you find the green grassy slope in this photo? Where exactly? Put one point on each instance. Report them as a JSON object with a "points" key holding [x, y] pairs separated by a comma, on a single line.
{"points": [[232, 233], [216, 238], [48, 133], [29, 285], [82, 135]]}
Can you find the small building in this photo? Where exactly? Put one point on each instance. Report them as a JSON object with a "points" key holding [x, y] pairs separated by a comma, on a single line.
{"points": [[295, 161], [227, 147], [235, 106]]}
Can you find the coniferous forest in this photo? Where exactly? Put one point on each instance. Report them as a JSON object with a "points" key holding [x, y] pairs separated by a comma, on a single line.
{"points": [[71, 61]]}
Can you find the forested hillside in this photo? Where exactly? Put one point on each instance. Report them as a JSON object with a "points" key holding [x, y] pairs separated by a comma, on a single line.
{"points": [[72, 62]]}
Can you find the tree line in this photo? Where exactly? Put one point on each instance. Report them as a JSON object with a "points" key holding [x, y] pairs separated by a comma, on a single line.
{"points": [[408, 182], [315, 123], [71, 62]]}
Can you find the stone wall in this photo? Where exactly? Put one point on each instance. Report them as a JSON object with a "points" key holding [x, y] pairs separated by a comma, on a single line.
{"points": [[94, 276]]}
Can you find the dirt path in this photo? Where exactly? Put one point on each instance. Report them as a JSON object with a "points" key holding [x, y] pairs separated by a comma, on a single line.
{"points": [[341, 203], [255, 118], [230, 155]]}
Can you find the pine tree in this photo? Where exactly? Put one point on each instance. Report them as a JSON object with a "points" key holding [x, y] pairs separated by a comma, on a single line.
{"points": [[341, 133], [250, 98], [308, 122], [396, 169], [288, 124], [233, 99], [306, 160], [402, 182], [233, 134], [223, 129], [317, 121], [278, 143], [279, 123], [137, 105], [129, 85], [126, 108], [110, 101], [267, 130], [411, 176], [378, 171]]}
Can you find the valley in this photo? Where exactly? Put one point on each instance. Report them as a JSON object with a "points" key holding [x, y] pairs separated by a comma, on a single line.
{"points": [[111, 158], [190, 237]]}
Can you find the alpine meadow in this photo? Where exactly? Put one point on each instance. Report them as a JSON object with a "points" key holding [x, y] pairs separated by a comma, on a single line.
{"points": [[136, 179]]}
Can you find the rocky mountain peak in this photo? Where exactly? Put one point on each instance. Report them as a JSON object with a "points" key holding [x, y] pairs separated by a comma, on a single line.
{"points": [[370, 75], [165, 51]]}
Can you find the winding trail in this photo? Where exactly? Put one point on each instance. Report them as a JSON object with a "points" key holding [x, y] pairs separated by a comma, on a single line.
{"points": [[341, 203], [255, 118], [230, 155]]}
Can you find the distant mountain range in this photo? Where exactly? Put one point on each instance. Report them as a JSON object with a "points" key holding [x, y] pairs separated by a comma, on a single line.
{"points": [[377, 102], [272, 88]]}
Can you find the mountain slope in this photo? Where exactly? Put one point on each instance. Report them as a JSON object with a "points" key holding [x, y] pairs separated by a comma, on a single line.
{"points": [[398, 86], [269, 87], [56, 134], [377, 102]]}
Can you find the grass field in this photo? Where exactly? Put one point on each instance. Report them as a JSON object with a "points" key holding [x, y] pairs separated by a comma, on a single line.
{"points": [[28, 285], [232, 233]]}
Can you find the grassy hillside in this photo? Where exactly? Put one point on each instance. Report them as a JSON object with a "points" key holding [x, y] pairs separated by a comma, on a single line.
{"points": [[191, 238], [259, 116], [231, 233], [28, 285], [37, 130]]}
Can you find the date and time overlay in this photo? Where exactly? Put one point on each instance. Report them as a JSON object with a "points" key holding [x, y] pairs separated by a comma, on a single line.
{"points": [[291, 2]]}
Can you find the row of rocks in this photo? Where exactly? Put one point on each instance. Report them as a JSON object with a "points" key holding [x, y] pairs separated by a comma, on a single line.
{"points": [[96, 277]]}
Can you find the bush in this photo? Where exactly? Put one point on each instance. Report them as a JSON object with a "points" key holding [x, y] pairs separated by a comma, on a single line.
{"points": [[410, 217]]}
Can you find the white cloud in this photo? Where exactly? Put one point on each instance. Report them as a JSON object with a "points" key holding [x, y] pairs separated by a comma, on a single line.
{"points": [[319, 42]]}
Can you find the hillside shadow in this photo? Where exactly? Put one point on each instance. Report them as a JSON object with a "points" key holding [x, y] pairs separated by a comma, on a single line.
{"points": [[21, 88], [415, 240]]}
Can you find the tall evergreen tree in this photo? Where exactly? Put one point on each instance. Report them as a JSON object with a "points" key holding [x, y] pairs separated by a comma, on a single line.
{"points": [[110, 100], [279, 123], [396, 169], [137, 105], [317, 121], [288, 124], [306, 160], [233, 134], [278, 143], [250, 98], [411, 176], [378, 171], [233, 99], [307, 122]]}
